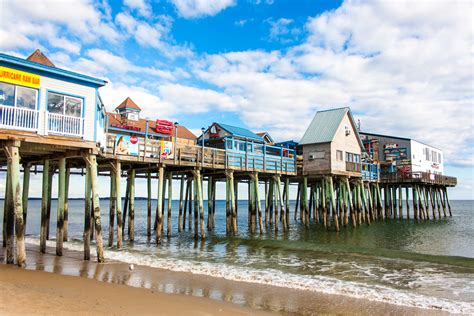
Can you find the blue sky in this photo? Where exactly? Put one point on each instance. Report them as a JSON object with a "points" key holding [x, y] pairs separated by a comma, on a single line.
{"points": [[404, 68]]}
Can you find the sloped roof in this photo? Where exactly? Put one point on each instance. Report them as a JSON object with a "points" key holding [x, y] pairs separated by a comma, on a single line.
{"points": [[324, 126], [38, 57], [129, 104], [115, 118], [241, 132]]}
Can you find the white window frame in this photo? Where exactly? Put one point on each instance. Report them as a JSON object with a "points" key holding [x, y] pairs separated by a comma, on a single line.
{"points": [[64, 101], [15, 95]]}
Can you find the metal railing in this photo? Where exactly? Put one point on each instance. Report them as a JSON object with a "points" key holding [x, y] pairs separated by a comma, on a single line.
{"points": [[64, 124], [18, 118]]}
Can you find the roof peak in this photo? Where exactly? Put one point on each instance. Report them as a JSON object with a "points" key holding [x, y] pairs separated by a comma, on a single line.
{"points": [[335, 109], [38, 57], [129, 104]]}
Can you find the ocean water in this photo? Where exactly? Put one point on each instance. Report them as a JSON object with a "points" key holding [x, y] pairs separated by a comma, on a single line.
{"points": [[426, 264]]}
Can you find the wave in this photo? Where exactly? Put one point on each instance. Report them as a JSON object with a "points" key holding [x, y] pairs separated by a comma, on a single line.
{"points": [[274, 277]]}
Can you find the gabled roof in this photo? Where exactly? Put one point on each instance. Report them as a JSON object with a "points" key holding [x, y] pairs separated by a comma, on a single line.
{"points": [[128, 104], [241, 132], [263, 134], [38, 57], [324, 126]]}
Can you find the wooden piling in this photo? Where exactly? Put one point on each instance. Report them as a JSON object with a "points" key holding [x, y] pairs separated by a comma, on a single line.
{"points": [[96, 205], [400, 202], [287, 202], [61, 200], [170, 199], [197, 176], [148, 205], [252, 203], [335, 218], [447, 201], [259, 206], [112, 201], [118, 202], [15, 209], [6, 207], [66, 204], [407, 193], [159, 204], [196, 205], [227, 206], [305, 201], [87, 214], [26, 191], [415, 202], [9, 217], [282, 206], [131, 205], [126, 203], [186, 204], [209, 203], [48, 199]]}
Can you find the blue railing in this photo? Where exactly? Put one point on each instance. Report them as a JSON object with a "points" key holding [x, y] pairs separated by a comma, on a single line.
{"points": [[370, 172], [248, 155]]}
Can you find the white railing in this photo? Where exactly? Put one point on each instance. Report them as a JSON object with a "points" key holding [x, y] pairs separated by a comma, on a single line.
{"points": [[64, 124], [18, 118]]}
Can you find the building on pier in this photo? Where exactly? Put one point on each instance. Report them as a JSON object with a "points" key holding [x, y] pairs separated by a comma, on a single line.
{"points": [[129, 131], [38, 98], [332, 146], [403, 155], [267, 138], [248, 150]]}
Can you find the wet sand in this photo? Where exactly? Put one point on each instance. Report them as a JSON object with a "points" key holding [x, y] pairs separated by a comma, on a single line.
{"points": [[68, 284]]}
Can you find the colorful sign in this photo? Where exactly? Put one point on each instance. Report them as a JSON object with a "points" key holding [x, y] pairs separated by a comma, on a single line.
{"points": [[129, 127], [166, 149], [390, 146], [19, 77], [126, 145], [395, 154]]}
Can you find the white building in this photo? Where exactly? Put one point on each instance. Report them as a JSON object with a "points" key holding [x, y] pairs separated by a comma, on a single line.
{"points": [[407, 154]]}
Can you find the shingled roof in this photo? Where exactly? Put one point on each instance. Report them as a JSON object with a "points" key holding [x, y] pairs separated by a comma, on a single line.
{"points": [[40, 58], [129, 104]]}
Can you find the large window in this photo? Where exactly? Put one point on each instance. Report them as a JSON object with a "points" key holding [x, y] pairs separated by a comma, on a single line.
{"points": [[64, 105], [18, 96], [350, 157]]}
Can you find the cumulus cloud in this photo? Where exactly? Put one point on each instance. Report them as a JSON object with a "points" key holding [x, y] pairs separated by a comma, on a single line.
{"points": [[283, 30], [200, 8], [41, 22], [141, 6]]}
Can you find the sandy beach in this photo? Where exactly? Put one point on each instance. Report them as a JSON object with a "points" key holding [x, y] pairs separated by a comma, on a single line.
{"points": [[69, 285]]}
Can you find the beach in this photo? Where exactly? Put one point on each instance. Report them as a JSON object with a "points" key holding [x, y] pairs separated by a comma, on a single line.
{"points": [[69, 285]]}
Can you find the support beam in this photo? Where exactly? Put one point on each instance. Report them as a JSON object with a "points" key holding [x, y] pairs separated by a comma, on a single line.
{"points": [[148, 205], [170, 200], [26, 191], [66, 204], [87, 214], [131, 206], [118, 203], [61, 200], [112, 201], [6, 207], [96, 205], [181, 204], [159, 204]]}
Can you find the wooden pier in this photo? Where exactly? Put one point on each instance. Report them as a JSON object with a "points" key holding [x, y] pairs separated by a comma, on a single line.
{"points": [[61, 134]]}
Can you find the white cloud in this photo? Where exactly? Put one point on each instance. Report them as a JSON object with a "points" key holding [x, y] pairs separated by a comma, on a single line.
{"points": [[141, 6], [283, 30], [405, 68], [43, 21], [200, 8]]}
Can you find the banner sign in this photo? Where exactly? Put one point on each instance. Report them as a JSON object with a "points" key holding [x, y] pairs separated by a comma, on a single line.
{"points": [[126, 145], [19, 77], [166, 149]]}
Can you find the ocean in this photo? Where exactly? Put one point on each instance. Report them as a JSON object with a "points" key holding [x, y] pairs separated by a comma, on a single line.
{"points": [[428, 264]]}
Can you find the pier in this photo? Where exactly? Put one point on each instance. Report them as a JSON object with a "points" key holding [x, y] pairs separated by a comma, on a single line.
{"points": [[63, 128]]}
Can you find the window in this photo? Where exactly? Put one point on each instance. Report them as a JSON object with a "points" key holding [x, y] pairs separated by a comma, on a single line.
{"points": [[316, 155], [439, 157], [22, 97], [350, 157], [426, 152], [64, 105], [339, 155]]}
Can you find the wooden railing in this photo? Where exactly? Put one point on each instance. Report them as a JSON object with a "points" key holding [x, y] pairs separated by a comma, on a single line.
{"points": [[18, 118], [193, 155], [64, 124], [421, 177]]}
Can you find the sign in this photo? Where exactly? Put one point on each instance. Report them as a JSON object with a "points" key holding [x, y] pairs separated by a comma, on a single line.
{"points": [[129, 127], [435, 166], [164, 127], [126, 145], [19, 77], [392, 154], [390, 146], [166, 149]]}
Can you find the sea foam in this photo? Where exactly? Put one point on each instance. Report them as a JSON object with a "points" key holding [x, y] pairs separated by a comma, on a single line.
{"points": [[274, 277]]}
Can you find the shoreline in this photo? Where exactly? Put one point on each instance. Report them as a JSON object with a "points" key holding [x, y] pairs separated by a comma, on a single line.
{"points": [[243, 296]]}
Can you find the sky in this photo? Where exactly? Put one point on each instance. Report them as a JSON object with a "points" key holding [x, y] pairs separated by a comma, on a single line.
{"points": [[404, 68]]}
